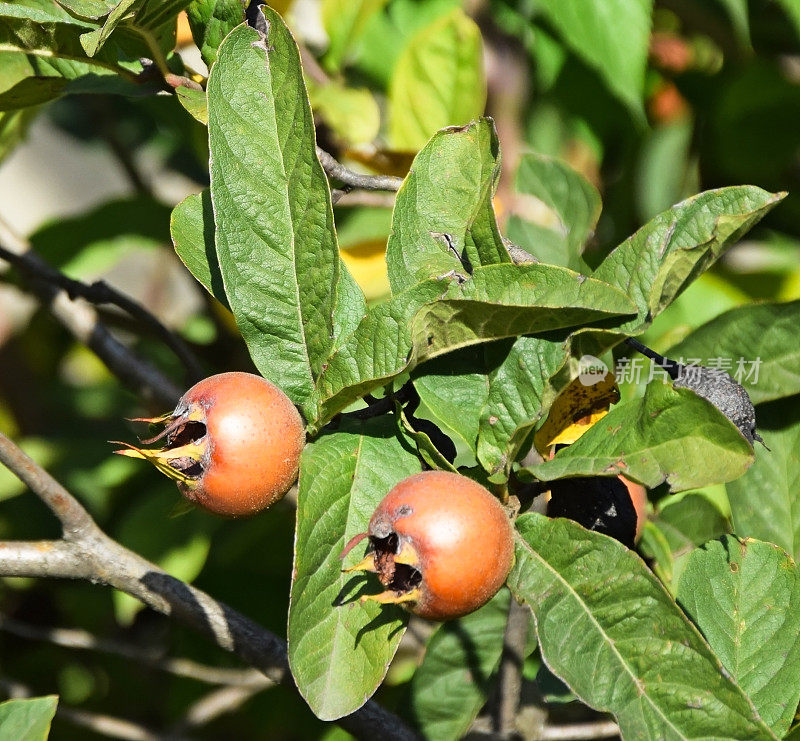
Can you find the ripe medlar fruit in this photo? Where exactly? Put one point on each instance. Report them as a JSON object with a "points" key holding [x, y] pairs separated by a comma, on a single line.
{"points": [[440, 543], [232, 444]]}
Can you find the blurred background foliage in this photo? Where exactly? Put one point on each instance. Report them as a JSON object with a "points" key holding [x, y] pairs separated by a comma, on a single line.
{"points": [[649, 104]]}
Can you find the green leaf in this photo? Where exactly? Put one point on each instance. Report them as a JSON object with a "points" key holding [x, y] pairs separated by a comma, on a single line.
{"points": [[211, 21], [339, 648], [518, 387], [676, 531], [29, 719], [194, 102], [430, 319], [574, 205], [792, 10], [670, 435], [737, 11], [425, 447], [14, 128], [756, 344], [92, 41], [41, 57], [454, 388], [609, 629], [764, 502], [610, 35], [443, 216], [438, 81], [88, 245], [352, 113], [744, 595], [509, 300], [90, 9], [344, 22], [275, 239], [453, 681], [657, 263], [192, 230]]}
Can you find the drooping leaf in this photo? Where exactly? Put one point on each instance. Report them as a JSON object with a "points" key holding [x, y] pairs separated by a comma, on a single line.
{"points": [[508, 300], [597, 605], [211, 21], [339, 648], [443, 218], [610, 35], [655, 264], [574, 205], [274, 223], [438, 81], [452, 683], [192, 230], [194, 102], [756, 344], [28, 719], [764, 502], [669, 435], [744, 595], [92, 41]]}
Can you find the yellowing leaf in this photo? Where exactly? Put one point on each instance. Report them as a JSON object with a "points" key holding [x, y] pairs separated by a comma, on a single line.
{"points": [[438, 81]]}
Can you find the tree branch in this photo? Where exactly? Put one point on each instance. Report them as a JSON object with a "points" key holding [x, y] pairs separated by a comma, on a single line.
{"points": [[580, 731], [82, 640], [352, 179], [100, 293], [509, 678], [81, 320], [91, 555]]}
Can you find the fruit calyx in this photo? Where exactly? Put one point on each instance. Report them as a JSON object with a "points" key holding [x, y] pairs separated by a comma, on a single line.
{"points": [[396, 563], [184, 455]]}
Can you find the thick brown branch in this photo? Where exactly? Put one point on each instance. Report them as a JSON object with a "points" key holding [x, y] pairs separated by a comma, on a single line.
{"points": [[352, 179], [81, 320]]}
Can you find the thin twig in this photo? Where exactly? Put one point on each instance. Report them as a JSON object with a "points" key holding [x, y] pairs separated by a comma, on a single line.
{"points": [[93, 556], [84, 641], [509, 679], [354, 198], [101, 293], [580, 731], [338, 171], [81, 320], [214, 704]]}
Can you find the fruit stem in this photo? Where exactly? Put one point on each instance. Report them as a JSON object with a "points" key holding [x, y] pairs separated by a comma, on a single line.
{"points": [[672, 367]]}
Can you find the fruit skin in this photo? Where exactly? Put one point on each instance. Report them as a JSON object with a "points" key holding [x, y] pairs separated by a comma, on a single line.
{"points": [[639, 498], [233, 444], [255, 437], [460, 535]]}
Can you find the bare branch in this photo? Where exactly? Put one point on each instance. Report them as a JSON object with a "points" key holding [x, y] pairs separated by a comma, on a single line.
{"points": [[372, 199], [509, 680], [81, 320], [580, 731], [75, 520], [84, 641], [91, 555], [100, 293], [352, 179], [214, 704]]}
